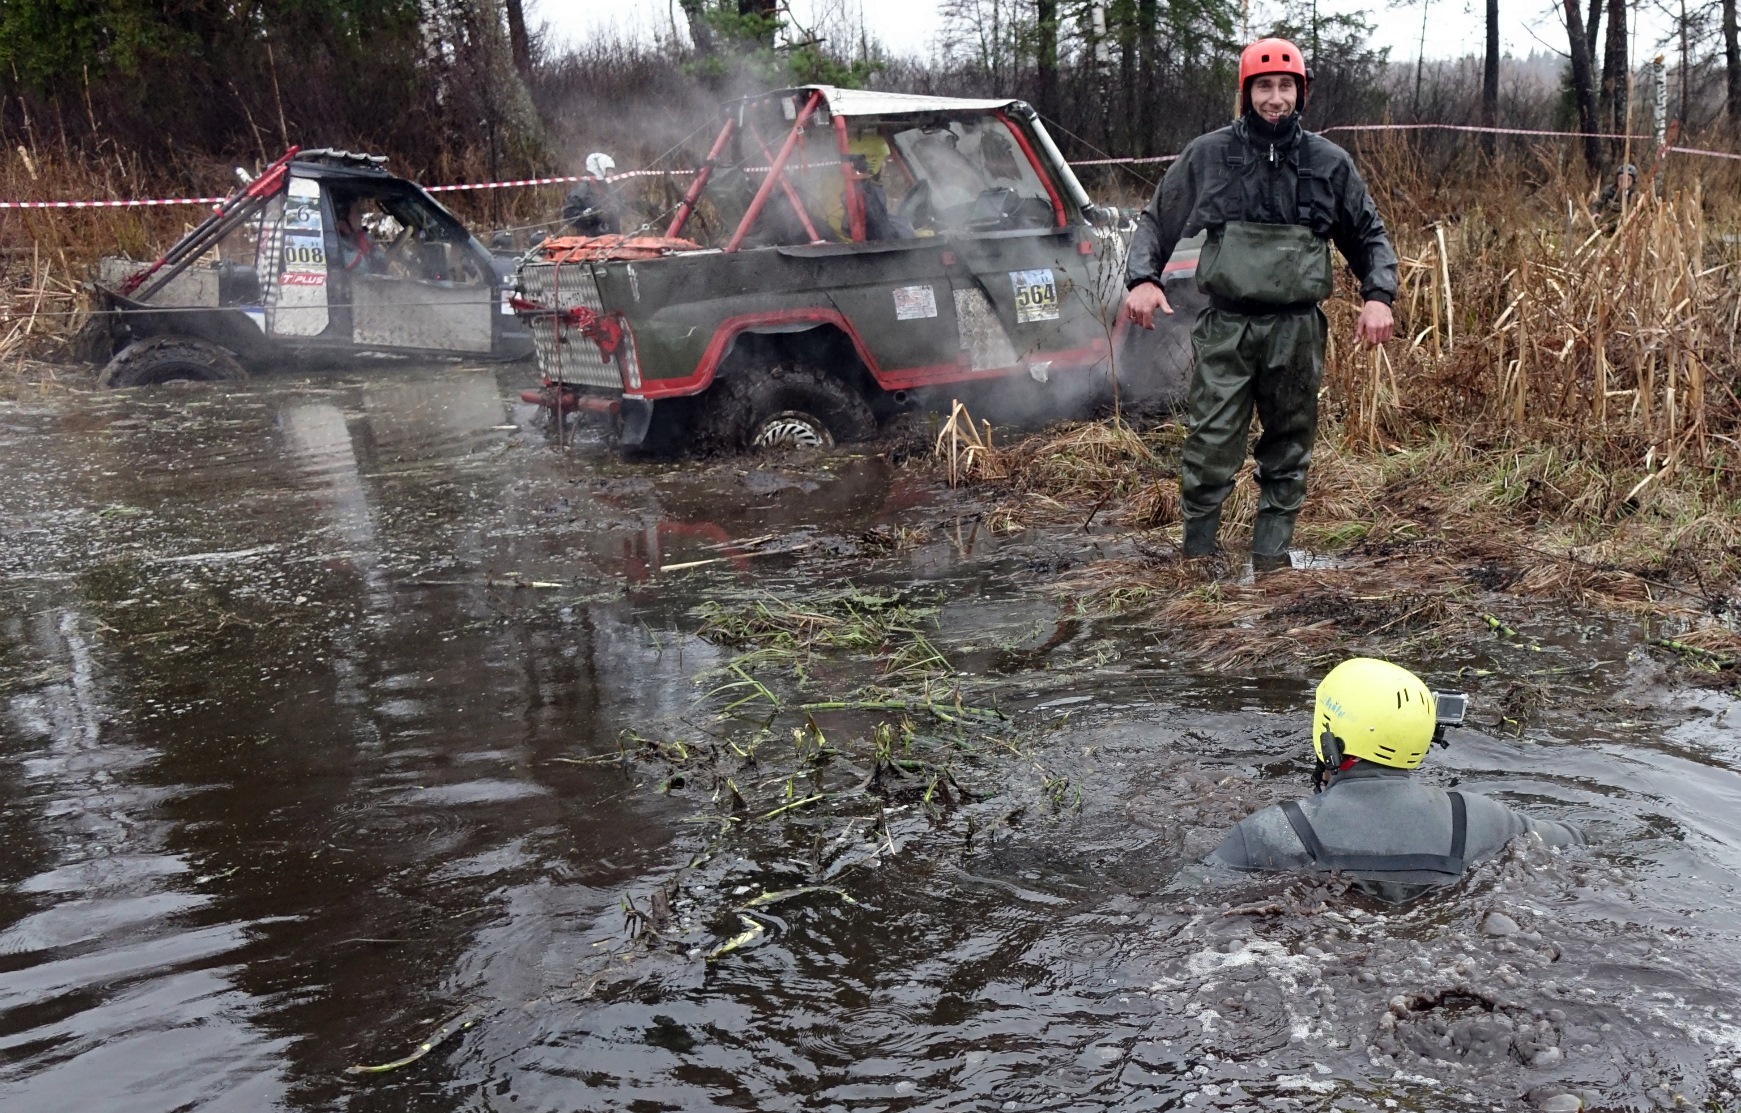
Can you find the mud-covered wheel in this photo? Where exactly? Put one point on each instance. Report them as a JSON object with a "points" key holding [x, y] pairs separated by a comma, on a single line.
{"points": [[785, 406], [163, 359]]}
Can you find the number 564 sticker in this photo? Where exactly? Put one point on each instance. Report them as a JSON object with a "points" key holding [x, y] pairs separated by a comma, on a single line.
{"points": [[1036, 296]]}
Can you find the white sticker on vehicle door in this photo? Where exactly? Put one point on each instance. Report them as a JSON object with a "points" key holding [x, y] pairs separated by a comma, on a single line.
{"points": [[913, 303], [304, 253], [302, 214], [295, 264], [1036, 296]]}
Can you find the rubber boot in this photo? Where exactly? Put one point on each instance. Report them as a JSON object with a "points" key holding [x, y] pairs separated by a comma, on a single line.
{"points": [[1270, 535], [1200, 536]]}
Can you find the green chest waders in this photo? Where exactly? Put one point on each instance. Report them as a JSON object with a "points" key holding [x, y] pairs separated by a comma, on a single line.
{"points": [[1276, 266], [1261, 343]]}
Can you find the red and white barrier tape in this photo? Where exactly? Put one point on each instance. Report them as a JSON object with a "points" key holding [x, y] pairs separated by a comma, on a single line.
{"points": [[1487, 131], [111, 204], [627, 174], [1708, 154]]}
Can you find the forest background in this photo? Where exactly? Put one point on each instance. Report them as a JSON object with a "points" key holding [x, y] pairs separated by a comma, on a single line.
{"points": [[143, 93]]}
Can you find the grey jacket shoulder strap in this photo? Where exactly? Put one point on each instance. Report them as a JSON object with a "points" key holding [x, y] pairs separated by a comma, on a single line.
{"points": [[1323, 859]]}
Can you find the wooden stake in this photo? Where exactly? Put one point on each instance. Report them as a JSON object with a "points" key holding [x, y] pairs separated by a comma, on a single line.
{"points": [[1445, 274]]}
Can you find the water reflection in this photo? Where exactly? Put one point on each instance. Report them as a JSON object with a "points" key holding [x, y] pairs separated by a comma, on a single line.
{"points": [[115, 982]]}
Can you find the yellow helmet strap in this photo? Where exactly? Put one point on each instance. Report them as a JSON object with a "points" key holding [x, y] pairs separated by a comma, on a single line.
{"points": [[1331, 759]]}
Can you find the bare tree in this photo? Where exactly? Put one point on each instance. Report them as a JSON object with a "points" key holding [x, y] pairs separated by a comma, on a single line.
{"points": [[1616, 76], [1583, 84], [520, 42], [1149, 73], [1046, 53], [700, 30], [1490, 73], [1732, 62]]}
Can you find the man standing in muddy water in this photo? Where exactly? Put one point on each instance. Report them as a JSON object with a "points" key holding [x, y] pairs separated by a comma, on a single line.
{"points": [[1394, 836], [1272, 196]]}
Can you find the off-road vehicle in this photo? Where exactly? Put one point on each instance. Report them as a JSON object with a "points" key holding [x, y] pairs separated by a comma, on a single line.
{"points": [[839, 255], [325, 257]]}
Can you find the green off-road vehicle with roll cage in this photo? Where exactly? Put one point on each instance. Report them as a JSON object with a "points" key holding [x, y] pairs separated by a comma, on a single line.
{"points": [[324, 258], [841, 255]]}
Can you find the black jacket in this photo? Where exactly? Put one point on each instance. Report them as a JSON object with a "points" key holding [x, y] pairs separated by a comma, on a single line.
{"points": [[1251, 171], [591, 209]]}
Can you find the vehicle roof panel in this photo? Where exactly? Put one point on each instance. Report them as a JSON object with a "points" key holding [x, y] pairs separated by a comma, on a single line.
{"points": [[869, 102]]}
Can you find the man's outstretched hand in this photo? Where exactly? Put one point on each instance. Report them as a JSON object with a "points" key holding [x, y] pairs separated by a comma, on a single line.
{"points": [[1142, 301], [1375, 325]]}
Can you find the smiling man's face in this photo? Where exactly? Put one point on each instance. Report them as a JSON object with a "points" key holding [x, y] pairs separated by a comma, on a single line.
{"points": [[1274, 96]]}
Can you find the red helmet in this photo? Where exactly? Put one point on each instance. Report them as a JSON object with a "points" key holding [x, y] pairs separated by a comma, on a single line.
{"points": [[1271, 56]]}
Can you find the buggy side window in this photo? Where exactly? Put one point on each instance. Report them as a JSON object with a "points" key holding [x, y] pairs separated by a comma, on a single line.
{"points": [[972, 175], [402, 235]]}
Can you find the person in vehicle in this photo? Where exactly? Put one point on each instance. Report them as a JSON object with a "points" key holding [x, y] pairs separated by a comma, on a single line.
{"points": [[867, 154], [1272, 197], [1370, 819], [357, 249]]}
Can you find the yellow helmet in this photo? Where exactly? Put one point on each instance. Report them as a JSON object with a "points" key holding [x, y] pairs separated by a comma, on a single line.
{"points": [[873, 147], [1375, 711]]}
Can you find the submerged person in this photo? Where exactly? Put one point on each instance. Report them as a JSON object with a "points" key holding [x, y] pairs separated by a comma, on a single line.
{"points": [[1272, 197], [1375, 823]]}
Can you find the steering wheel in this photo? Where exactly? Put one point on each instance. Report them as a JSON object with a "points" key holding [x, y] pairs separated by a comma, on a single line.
{"points": [[995, 209], [915, 208]]}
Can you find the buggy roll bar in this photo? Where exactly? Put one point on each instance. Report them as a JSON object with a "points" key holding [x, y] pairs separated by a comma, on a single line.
{"points": [[776, 172], [235, 209], [700, 182], [851, 180], [786, 187]]}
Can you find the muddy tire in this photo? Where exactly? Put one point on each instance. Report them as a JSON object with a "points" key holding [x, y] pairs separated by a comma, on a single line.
{"points": [[163, 359], [785, 406]]}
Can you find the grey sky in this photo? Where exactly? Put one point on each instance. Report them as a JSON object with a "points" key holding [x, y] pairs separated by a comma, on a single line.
{"points": [[1454, 27]]}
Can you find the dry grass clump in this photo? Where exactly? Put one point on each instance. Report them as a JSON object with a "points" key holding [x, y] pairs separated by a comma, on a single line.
{"points": [[1303, 613], [846, 620], [40, 307], [1069, 469], [1074, 460]]}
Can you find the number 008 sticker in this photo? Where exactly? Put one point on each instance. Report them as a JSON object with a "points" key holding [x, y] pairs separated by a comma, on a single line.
{"points": [[1036, 296], [304, 252]]}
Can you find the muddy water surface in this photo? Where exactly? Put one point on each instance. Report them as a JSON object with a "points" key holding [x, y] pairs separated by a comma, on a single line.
{"points": [[300, 688]]}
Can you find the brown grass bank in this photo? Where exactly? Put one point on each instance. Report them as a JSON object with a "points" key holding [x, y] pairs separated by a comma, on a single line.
{"points": [[1439, 541]]}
